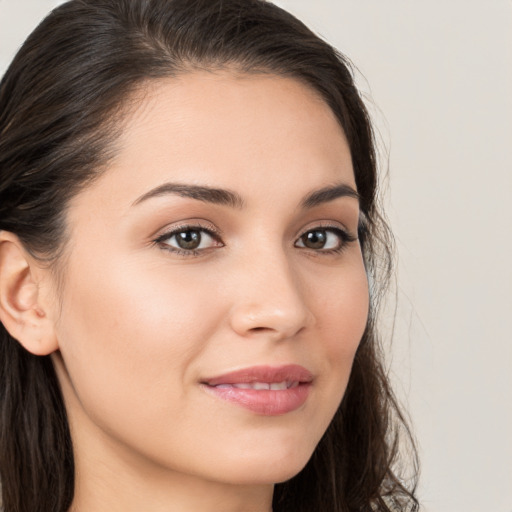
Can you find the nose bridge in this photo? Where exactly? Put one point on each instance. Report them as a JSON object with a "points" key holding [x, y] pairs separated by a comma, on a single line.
{"points": [[269, 296]]}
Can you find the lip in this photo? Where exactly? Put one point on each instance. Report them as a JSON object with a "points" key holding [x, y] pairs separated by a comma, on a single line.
{"points": [[267, 402]]}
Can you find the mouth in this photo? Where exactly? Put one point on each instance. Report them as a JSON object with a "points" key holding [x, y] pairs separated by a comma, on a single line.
{"points": [[264, 390], [275, 386]]}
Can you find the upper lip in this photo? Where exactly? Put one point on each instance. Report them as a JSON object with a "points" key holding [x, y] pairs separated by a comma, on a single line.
{"points": [[268, 374]]}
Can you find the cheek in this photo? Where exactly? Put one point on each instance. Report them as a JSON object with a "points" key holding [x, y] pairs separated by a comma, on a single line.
{"points": [[341, 311], [345, 318], [341, 307], [128, 336]]}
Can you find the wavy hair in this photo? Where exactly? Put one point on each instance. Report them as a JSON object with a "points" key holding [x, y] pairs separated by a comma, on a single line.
{"points": [[62, 102]]}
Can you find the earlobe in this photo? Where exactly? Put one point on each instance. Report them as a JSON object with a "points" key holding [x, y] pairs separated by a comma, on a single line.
{"points": [[21, 309]]}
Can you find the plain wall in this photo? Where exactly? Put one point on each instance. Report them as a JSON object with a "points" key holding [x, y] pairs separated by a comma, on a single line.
{"points": [[440, 81]]}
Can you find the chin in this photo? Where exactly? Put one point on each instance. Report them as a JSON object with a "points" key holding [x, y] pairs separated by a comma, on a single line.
{"points": [[273, 469]]}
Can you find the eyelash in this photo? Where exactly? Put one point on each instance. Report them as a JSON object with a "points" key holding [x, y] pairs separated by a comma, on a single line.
{"points": [[344, 236], [183, 229]]}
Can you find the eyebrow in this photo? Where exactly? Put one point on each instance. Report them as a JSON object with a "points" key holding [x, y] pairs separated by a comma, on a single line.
{"points": [[229, 198], [199, 192], [326, 194]]}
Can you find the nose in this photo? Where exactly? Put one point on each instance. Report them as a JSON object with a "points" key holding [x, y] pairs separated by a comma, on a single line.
{"points": [[270, 300]]}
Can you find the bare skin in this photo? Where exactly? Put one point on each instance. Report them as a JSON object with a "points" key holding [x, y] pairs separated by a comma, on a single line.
{"points": [[142, 323]]}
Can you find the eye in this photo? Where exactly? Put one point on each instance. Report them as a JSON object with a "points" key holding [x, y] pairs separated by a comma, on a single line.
{"points": [[325, 239], [188, 240]]}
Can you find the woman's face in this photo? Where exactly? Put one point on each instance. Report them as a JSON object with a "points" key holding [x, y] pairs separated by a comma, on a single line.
{"points": [[214, 293]]}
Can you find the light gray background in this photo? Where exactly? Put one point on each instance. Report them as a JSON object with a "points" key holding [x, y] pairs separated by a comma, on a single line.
{"points": [[440, 75]]}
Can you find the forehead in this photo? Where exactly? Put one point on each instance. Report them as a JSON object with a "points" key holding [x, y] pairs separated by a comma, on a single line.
{"points": [[232, 131]]}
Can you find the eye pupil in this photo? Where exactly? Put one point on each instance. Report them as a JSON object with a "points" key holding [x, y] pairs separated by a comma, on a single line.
{"points": [[315, 239], [190, 239]]}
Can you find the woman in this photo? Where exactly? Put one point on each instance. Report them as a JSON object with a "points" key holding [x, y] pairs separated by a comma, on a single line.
{"points": [[188, 223]]}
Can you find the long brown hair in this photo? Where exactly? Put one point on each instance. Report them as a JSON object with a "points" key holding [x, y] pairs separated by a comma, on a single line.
{"points": [[61, 104]]}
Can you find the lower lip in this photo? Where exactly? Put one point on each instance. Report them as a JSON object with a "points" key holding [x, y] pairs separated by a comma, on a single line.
{"points": [[267, 402]]}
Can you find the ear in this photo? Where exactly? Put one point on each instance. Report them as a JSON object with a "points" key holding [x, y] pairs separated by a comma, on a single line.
{"points": [[23, 311]]}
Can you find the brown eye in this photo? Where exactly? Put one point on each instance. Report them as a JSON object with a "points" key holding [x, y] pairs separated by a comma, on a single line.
{"points": [[324, 239], [314, 239], [188, 240]]}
